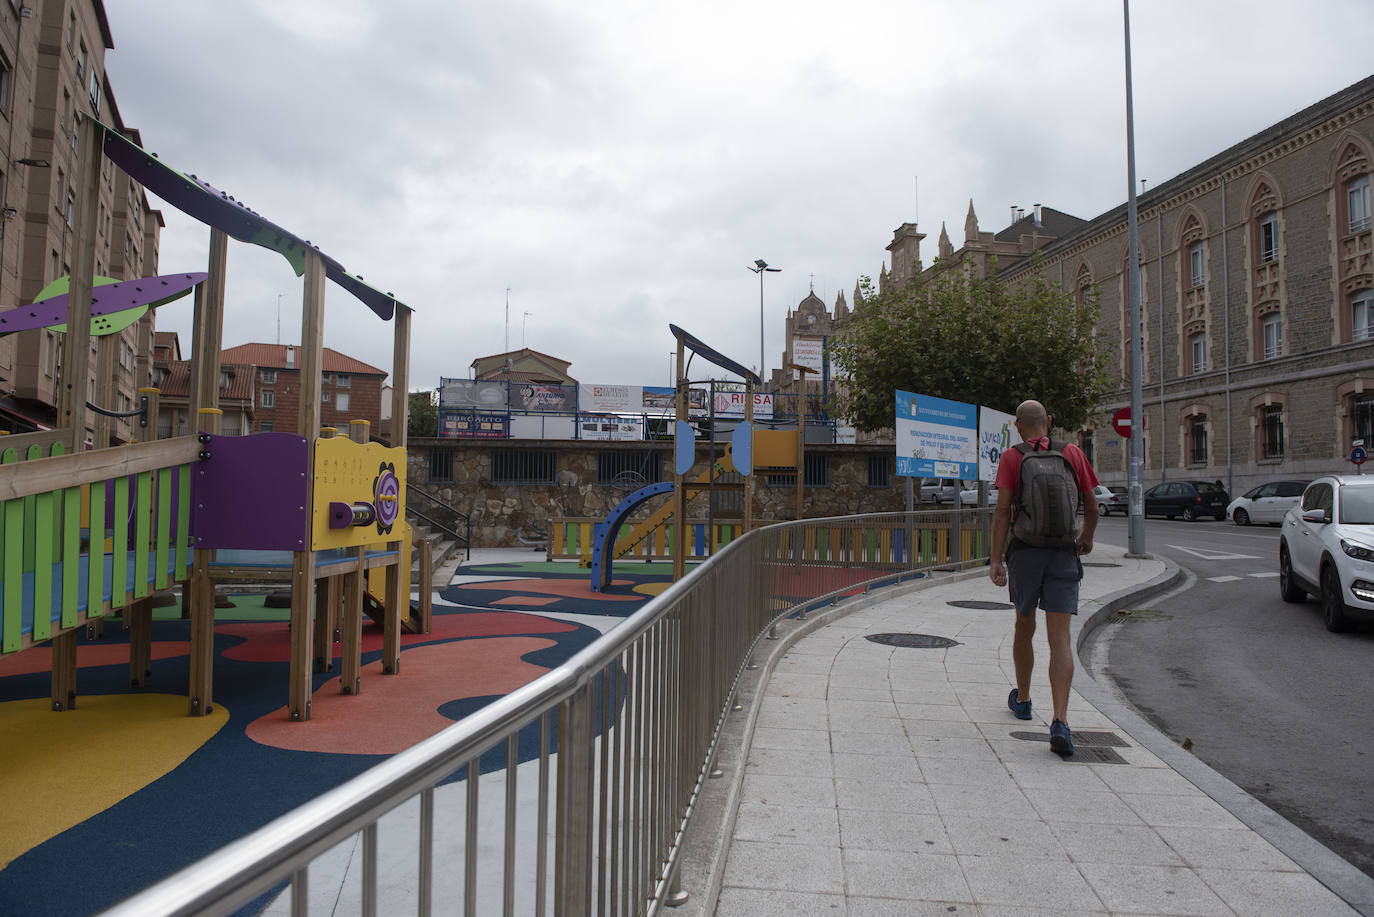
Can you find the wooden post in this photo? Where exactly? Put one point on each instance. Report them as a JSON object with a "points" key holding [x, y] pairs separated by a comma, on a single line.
{"points": [[76, 343], [328, 596], [400, 377], [104, 388], [308, 425], [679, 528], [64, 671], [400, 412], [351, 655]]}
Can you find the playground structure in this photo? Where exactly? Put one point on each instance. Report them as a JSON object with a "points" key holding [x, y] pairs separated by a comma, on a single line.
{"points": [[88, 533]]}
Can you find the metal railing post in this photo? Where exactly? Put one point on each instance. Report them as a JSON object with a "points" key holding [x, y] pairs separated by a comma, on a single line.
{"points": [[575, 806]]}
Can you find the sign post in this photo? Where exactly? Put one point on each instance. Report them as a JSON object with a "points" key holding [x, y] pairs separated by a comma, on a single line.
{"points": [[1358, 455]]}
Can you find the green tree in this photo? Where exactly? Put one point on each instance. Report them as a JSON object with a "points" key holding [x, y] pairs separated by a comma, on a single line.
{"points": [[424, 414], [977, 340]]}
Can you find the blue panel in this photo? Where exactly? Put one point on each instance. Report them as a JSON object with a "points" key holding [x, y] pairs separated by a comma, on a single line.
{"points": [[684, 448], [742, 448], [604, 533]]}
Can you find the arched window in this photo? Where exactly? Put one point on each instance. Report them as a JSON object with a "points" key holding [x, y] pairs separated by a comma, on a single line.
{"points": [[1268, 421], [1350, 170], [1357, 203], [1264, 240]]}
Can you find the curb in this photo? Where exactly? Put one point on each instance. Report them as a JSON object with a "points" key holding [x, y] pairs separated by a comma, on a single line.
{"points": [[1319, 861]]}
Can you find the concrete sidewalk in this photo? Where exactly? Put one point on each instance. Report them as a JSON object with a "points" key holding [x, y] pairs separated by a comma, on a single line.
{"points": [[881, 780]]}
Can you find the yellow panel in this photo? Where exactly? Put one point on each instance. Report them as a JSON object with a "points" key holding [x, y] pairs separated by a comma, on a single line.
{"points": [[775, 448], [347, 472]]}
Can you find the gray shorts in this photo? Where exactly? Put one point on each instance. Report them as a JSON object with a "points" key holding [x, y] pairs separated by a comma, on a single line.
{"points": [[1043, 577]]}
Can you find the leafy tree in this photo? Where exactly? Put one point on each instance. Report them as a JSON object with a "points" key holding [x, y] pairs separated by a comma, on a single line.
{"points": [[977, 340], [424, 414]]}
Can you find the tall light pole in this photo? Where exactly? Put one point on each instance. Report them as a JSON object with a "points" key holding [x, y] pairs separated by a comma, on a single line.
{"points": [[1136, 510], [759, 267]]}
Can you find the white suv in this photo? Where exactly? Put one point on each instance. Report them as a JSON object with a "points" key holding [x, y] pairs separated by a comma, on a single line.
{"points": [[1327, 549]]}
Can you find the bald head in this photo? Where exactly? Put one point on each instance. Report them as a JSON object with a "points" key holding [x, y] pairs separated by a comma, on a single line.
{"points": [[1031, 419]]}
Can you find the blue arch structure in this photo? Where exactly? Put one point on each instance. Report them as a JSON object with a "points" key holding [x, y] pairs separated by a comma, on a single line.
{"points": [[604, 533]]}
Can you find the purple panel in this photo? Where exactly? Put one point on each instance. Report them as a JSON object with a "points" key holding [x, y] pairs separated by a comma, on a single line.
{"points": [[251, 493], [106, 299]]}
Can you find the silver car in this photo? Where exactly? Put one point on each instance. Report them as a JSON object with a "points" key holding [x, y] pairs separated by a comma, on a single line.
{"points": [[1327, 549], [1266, 503]]}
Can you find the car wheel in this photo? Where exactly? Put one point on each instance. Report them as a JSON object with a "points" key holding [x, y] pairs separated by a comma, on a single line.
{"points": [[1288, 588], [1333, 605], [1187, 515]]}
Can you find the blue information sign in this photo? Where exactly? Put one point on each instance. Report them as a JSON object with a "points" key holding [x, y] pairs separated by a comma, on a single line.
{"points": [[936, 438]]}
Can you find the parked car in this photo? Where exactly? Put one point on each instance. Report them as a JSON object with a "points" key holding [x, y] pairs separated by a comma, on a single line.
{"points": [[1266, 503], [1327, 549], [940, 491], [969, 496], [1186, 500], [1112, 498]]}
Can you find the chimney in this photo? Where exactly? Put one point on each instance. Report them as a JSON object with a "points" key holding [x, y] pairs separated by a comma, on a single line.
{"points": [[1013, 215], [1020, 213], [1038, 213], [290, 357]]}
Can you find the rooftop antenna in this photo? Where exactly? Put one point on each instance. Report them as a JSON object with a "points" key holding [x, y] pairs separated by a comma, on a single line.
{"points": [[918, 200], [522, 329], [279, 318], [507, 350]]}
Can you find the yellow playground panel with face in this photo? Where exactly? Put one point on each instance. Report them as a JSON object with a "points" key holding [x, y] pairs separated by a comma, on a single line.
{"points": [[359, 494]]}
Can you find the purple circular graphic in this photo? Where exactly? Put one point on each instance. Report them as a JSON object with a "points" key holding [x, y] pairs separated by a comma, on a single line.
{"points": [[386, 496]]}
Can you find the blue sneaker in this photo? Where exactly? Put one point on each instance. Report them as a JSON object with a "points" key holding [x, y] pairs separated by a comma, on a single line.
{"points": [[1022, 708], [1060, 738]]}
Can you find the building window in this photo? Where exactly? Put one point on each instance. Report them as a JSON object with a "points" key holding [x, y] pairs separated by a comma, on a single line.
{"points": [[269, 375], [1362, 315], [1357, 202], [6, 84], [817, 469], [1269, 237], [341, 401], [1272, 328], [1195, 263], [269, 398], [880, 470], [71, 207], [441, 465], [524, 466], [1085, 442], [1197, 440], [342, 381], [324, 397], [1198, 343], [266, 426], [1271, 418], [1362, 413], [634, 468], [61, 183]]}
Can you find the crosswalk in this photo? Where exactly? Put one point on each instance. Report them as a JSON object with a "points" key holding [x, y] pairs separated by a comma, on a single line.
{"points": [[1231, 579]]}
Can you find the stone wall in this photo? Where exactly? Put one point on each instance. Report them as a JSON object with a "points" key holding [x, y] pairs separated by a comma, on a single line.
{"points": [[501, 513]]}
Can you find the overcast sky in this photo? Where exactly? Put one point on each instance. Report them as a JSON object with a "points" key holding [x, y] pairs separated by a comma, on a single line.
{"points": [[618, 164]]}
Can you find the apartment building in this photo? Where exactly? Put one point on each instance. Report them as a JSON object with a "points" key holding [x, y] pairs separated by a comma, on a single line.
{"points": [[352, 389]]}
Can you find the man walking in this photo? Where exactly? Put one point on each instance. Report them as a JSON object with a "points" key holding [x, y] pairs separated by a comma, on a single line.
{"points": [[1040, 483]]}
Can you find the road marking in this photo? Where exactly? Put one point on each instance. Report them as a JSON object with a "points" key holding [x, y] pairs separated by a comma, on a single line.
{"points": [[1259, 575], [1222, 579], [1211, 555]]}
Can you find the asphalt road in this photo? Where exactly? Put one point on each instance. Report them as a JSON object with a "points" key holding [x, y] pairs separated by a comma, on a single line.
{"points": [[1263, 692]]}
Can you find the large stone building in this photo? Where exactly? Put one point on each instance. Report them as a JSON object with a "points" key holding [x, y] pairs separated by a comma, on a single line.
{"points": [[1257, 300], [52, 67]]}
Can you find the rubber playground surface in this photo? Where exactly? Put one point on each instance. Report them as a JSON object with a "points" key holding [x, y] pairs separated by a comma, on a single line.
{"points": [[102, 800]]}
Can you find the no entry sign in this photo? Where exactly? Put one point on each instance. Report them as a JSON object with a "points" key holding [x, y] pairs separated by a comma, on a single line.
{"points": [[1121, 422]]}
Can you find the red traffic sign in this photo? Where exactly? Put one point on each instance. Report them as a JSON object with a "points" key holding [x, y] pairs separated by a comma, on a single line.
{"points": [[1121, 422]]}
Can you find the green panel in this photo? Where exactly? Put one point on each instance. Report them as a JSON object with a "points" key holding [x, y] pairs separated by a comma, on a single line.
{"points": [[183, 519], [30, 514], [13, 522], [45, 522], [71, 554], [143, 512], [95, 580], [119, 525], [870, 546], [164, 524]]}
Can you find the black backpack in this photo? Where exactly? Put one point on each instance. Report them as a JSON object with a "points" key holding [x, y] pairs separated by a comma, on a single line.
{"points": [[1047, 501]]}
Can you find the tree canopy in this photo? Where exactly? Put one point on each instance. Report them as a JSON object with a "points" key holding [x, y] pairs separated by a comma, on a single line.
{"points": [[976, 340], [423, 414]]}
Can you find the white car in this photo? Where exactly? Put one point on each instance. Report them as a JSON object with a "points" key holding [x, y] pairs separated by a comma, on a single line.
{"points": [[1111, 499], [969, 497], [1327, 549], [940, 491], [1266, 503]]}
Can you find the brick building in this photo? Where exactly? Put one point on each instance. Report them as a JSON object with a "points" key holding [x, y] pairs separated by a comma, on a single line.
{"points": [[352, 389], [1257, 300], [52, 67]]}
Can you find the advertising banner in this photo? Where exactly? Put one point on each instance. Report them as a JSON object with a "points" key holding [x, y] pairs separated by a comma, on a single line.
{"points": [[809, 352], [617, 428], [658, 399], [610, 399], [996, 434], [553, 399], [466, 393], [473, 425], [730, 403], [936, 438]]}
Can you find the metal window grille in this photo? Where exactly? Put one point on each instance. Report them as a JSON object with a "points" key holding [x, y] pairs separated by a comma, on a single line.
{"points": [[1273, 431], [639, 466], [441, 464], [880, 470], [1364, 418], [817, 470], [524, 466], [1198, 455]]}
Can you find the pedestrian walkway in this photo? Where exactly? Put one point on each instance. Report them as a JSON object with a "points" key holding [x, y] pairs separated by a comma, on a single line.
{"points": [[893, 780]]}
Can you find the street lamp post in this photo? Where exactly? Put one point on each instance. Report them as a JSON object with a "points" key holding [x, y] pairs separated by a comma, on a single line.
{"points": [[759, 267], [1135, 533]]}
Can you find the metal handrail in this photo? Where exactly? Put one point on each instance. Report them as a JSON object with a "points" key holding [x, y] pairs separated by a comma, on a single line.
{"points": [[465, 538], [638, 713]]}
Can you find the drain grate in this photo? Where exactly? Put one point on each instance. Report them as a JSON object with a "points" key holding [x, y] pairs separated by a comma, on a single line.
{"points": [[913, 641], [1090, 746], [983, 606], [1099, 563]]}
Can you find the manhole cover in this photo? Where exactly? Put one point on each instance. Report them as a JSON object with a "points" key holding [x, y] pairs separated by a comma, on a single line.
{"points": [[1098, 738], [974, 603], [1142, 614], [1099, 563], [1090, 754], [913, 641]]}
